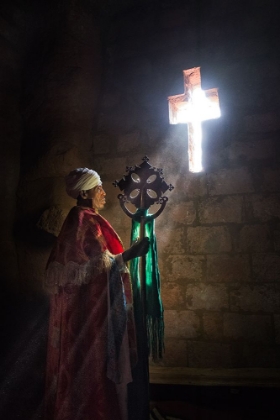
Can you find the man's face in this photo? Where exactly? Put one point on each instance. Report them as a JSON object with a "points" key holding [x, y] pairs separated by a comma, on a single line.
{"points": [[97, 194]]}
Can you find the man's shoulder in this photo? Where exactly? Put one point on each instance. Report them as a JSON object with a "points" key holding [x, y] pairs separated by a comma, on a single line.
{"points": [[79, 219], [83, 214], [83, 211]]}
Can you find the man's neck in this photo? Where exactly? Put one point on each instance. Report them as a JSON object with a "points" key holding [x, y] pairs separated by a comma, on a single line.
{"points": [[85, 202]]}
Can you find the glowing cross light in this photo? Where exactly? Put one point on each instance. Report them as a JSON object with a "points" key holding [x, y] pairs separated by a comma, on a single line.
{"points": [[192, 107]]}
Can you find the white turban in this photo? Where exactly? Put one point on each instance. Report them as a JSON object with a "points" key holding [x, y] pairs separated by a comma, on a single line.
{"points": [[81, 179]]}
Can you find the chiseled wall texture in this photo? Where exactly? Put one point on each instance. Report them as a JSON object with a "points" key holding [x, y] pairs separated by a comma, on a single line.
{"points": [[12, 47], [50, 81], [219, 236]]}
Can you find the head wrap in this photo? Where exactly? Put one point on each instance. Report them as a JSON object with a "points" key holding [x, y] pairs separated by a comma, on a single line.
{"points": [[81, 179]]}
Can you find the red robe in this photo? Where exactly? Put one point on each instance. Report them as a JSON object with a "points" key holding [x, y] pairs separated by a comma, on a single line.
{"points": [[77, 384]]}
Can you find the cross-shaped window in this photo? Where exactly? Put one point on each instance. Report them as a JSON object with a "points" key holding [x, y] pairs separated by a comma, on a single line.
{"points": [[192, 107]]}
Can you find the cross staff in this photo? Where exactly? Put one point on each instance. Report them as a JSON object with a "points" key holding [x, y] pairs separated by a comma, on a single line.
{"points": [[143, 186], [192, 107]]}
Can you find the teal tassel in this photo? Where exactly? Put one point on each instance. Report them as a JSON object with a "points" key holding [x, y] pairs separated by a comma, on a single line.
{"points": [[154, 307]]}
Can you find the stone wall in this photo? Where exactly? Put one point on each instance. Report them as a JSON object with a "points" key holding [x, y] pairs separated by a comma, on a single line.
{"points": [[49, 85], [219, 237], [12, 47], [61, 84]]}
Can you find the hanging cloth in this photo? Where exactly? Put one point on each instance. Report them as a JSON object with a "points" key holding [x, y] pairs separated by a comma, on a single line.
{"points": [[154, 307]]}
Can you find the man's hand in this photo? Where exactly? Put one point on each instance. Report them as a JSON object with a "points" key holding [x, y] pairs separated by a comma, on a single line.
{"points": [[138, 249]]}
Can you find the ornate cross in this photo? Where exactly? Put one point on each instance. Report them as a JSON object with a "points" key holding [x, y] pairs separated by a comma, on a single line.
{"points": [[143, 186], [192, 107]]}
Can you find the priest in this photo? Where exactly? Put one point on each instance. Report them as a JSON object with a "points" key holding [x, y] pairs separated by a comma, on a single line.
{"points": [[91, 346]]}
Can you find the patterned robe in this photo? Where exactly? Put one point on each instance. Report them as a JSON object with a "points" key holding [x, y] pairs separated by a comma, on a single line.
{"points": [[91, 329]]}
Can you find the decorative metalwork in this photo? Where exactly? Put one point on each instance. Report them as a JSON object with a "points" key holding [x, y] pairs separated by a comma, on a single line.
{"points": [[143, 186]]}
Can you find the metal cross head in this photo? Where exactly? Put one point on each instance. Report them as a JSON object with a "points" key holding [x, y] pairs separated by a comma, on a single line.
{"points": [[143, 186]]}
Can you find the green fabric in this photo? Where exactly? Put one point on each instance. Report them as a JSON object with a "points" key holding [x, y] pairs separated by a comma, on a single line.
{"points": [[154, 308]]}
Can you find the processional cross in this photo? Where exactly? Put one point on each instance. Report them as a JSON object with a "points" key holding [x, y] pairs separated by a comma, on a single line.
{"points": [[143, 186], [193, 107]]}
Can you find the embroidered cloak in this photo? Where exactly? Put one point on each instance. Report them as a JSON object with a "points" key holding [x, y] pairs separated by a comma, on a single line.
{"points": [[91, 329]]}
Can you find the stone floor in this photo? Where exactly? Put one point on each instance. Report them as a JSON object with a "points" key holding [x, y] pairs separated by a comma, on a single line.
{"points": [[216, 403]]}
